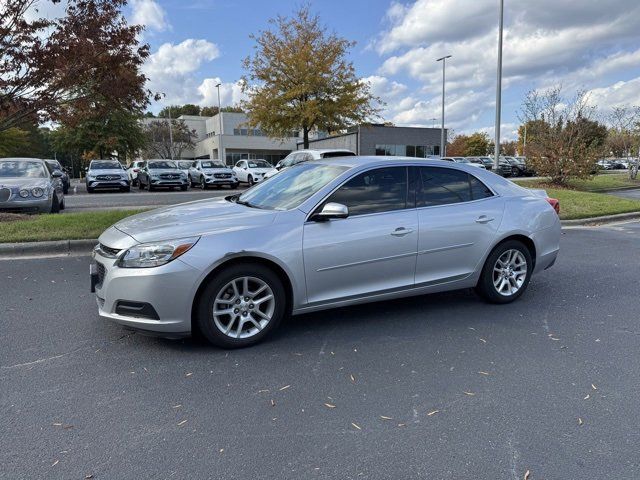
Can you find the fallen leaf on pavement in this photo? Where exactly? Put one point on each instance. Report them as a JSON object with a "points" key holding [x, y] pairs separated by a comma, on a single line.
{"points": [[483, 373], [263, 391], [55, 463], [580, 422], [385, 418], [353, 379], [526, 475], [182, 422], [177, 406], [432, 413], [329, 405], [355, 426], [586, 397], [593, 386], [273, 402], [483, 340], [189, 374], [471, 394], [285, 387]]}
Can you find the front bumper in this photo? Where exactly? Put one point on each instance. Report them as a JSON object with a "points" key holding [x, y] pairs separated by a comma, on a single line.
{"points": [[220, 181], [178, 182], [107, 183], [27, 205], [168, 289]]}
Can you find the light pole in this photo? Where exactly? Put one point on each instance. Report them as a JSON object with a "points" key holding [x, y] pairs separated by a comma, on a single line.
{"points": [[170, 129], [220, 149], [498, 91], [443, 146]]}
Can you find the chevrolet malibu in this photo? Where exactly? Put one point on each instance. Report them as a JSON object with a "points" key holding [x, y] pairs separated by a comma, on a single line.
{"points": [[322, 234]]}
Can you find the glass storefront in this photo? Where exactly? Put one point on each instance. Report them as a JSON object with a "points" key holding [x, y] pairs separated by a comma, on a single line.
{"points": [[420, 151]]}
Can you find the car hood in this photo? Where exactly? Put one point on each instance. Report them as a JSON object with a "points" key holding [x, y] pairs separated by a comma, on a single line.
{"points": [[24, 182], [107, 171], [202, 217], [259, 170]]}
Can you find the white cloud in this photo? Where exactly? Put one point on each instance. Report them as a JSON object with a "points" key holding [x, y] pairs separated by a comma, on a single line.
{"points": [[546, 42], [617, 95], [172, 68], [150, 14], [384, 88], [230, 92]]}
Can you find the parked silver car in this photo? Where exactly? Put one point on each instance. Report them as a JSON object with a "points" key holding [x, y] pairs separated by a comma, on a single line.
{"points": [[206, 173], [30, 185], [318, 235], [107, 174], [161, 174]]}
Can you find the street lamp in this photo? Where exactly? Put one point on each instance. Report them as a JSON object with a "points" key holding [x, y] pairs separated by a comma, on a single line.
{"points": [[220, 149], [443, 146], [498, 91], [170, 129]]}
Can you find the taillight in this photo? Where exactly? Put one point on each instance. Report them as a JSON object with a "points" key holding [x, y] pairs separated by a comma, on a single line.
{"points": [[555, 203]]}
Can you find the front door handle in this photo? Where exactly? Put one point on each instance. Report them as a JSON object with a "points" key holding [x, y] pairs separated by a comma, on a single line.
{"points": [[484, 219], [401, 231]]}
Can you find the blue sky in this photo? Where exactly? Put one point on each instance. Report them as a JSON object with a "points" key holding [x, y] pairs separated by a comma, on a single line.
{"points": [[593, 45]]}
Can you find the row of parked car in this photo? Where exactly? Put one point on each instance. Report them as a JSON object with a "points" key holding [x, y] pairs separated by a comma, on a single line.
{"points": [[507, 166], [614, 163]]}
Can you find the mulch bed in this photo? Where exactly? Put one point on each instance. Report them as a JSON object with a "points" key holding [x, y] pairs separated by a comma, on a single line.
{"points": [[12, 217]]}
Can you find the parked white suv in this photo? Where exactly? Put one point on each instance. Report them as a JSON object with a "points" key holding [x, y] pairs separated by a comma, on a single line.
{"points": [[251, 171], [300, 156]]}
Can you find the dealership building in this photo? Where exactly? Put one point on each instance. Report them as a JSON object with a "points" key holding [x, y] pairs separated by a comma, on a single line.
{"points": [[240, 142], [374, 139]]}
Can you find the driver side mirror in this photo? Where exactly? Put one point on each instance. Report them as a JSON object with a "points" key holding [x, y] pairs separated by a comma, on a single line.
{"points": [[56, 174], [331, 210]]}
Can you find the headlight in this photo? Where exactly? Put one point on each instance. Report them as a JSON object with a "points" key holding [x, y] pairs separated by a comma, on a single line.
{"points": [[91, 177], [155, 254], [37, 192], [154, 176], [24, 193]]}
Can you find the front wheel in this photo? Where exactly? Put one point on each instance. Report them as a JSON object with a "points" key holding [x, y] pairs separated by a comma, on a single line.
{"points": [[235, 185], [506, 273], [240, 306], [55, 204], [251, 182], [183, 188]]}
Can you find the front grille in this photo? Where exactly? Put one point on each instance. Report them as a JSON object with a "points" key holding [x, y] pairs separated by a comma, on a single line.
{"points": [[5, 194], [169, 176], [101, 272], [108, 177], [222, 175]]}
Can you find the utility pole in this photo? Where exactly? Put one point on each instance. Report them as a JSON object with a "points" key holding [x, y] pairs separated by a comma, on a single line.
{"points": [[498, 90], [220, 149], [443, 145]]}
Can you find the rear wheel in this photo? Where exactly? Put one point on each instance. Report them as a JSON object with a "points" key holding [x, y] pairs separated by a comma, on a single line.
{"points": [[240, 306], [506, 273], [140, 184]]}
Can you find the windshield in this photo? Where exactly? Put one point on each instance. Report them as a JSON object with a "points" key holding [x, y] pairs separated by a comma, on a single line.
{"points": [[20, 168], [163, 164], [184, 165], [462, 160], [259, 164], [104, 165], [212, 165], [291, 187], [54, 164]]}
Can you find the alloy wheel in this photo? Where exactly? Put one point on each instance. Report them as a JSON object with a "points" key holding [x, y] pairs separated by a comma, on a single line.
{"points": [[509, 272], [243, 307]]}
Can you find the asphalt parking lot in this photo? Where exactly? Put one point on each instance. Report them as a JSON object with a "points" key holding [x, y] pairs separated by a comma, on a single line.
{"points": [[435, 387], [107, 200]]}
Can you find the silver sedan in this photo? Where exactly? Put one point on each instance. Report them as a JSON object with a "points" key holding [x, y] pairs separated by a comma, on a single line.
{"points": [[30, 185], [319, 235]]}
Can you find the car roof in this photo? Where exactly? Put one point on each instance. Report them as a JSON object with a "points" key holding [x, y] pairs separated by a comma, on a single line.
{"points": [[21, 159]]}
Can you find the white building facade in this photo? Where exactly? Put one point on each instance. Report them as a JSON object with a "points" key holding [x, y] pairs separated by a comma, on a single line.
{"points": [[239, 142]]}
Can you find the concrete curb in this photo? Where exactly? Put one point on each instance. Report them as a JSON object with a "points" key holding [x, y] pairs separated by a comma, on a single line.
{"points": [[58, 247], [619, 217]]}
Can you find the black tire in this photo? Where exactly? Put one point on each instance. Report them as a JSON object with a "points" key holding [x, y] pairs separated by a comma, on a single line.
{"points": [[250, 180], [62, 205], [90, 190], [203, 184], [204, 309], [486, 288], [125, 189], [183, 188], [55, 204], [150, 187], [515, 172], [235, 185], [140, 185], [65, 190], [191, 184]]}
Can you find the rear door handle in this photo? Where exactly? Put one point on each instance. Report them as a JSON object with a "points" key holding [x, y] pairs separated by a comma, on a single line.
{"points": [[401, 231], [484, 219]]}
